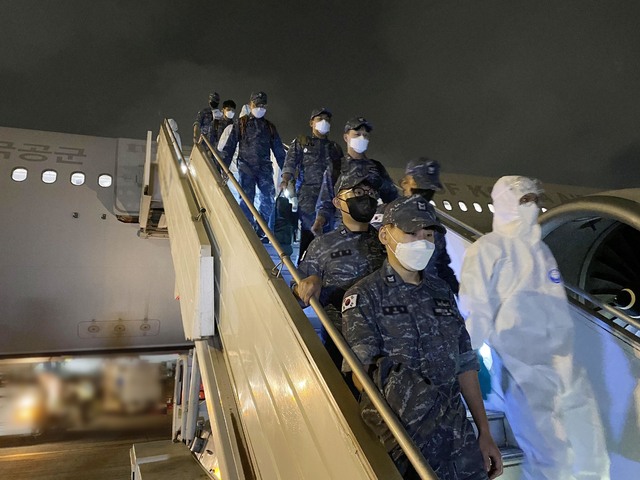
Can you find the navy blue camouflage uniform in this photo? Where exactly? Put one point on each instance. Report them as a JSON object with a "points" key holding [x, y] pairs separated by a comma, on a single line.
{"points": [[307, 159], [340, 258], [256, 138], [380, 180], [415, 343], [207, 125]]}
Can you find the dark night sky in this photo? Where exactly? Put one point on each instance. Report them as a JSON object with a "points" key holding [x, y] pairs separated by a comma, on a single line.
{"points": [[544, 88]]}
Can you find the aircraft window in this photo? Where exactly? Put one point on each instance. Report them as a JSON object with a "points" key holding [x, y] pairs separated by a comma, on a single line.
{"points": [[19, 174], [49, 176], [544, 209], [77, 178], [463, 206], [491, 209], [447, 205], [432, 203], [478, 207], [104, 180]]}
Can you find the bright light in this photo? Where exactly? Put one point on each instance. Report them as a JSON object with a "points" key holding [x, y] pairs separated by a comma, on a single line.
{"points": [[477, 207], [463, 206], [19, 174], [544, 209], [491, 209], [183, 167], [485, 353], [447, 205]]}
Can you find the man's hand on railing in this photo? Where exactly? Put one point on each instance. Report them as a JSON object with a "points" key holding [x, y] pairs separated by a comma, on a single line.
{"points": [[317, 226], [308, 288]]}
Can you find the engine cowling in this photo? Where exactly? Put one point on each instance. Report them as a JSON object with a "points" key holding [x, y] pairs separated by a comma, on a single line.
{"points": [[596, 241]]}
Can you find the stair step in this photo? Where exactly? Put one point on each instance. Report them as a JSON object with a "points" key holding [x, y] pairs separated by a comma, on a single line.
{"points": [[496, 427], [511, 456]]}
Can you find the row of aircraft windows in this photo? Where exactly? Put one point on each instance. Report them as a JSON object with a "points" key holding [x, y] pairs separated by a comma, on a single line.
{"points": [[463, 206], [19, 174]]}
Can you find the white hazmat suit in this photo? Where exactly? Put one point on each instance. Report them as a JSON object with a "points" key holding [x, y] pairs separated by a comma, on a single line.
{"points": [[512, 291]]}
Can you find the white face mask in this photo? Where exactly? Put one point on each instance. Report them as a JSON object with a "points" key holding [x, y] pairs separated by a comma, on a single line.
{"points": [[258, 112], [230, 114], [359, 143], [323, 127], [414, 256], [217, 114], [528, 213]]}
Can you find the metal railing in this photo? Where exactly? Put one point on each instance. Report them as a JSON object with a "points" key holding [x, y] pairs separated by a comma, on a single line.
{"points": [[398, 431]]}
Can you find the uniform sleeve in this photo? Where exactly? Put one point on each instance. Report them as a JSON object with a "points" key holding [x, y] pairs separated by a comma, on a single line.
{"points": [[230, 144], [358, 325], [467, 356], [477, 298], [324, 205], [291, 161], [198, 119], [442, 262], [277, 148], [310, 263], [388, 191]]}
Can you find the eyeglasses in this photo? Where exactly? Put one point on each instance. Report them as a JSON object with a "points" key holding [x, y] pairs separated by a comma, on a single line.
{"points": [[361, 192]]}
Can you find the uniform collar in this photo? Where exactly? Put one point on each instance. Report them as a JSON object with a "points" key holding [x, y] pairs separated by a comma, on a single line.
{"points": [[344, 231], [393, 279]]}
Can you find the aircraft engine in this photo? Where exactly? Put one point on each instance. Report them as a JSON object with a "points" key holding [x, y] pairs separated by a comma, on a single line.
{"points": [[596, 241]]}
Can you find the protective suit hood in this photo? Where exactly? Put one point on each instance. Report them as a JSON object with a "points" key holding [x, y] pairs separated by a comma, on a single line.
{"points": [[507, 220]]}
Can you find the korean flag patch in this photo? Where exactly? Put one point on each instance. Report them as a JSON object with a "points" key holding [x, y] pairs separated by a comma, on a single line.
{"points": [[349, 302]]}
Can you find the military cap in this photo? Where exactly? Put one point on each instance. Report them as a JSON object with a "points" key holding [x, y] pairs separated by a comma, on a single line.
{"points": [[352, 177], [410, 214], [425, 172], [214, 98], [258, 98], [229, 104], [319, 111], [356, 123]]}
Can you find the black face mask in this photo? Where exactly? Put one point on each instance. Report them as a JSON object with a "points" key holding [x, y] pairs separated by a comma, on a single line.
{"points": [[362, 209], [423, 192]]}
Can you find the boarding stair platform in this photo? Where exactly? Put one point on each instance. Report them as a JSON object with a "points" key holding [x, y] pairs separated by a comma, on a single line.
{"points": [[276, 406]]}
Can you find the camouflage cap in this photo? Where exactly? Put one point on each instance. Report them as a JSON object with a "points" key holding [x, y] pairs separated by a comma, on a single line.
{"points": [[214, 98], [425, 172], [410, 214], [319, 111], [356, 123], [258, 98], [355, 174]]}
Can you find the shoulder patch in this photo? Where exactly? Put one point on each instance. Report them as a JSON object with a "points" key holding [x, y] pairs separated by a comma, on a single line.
{"points": [[422, 206], [349, 302], [554, 275]]}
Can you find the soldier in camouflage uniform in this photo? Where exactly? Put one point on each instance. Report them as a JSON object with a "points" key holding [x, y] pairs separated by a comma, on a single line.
{"points": [[403, 324], [207, 119], [307, 159], [356, 136], [256, 138], [422, 177], [335, 261], [228, 114]]}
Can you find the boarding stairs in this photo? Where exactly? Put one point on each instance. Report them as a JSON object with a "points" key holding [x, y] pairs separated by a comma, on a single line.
{"points": [[277, 406]]}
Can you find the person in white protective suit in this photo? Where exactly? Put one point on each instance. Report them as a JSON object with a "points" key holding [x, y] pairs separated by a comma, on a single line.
{"points": [[512, 290]]}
